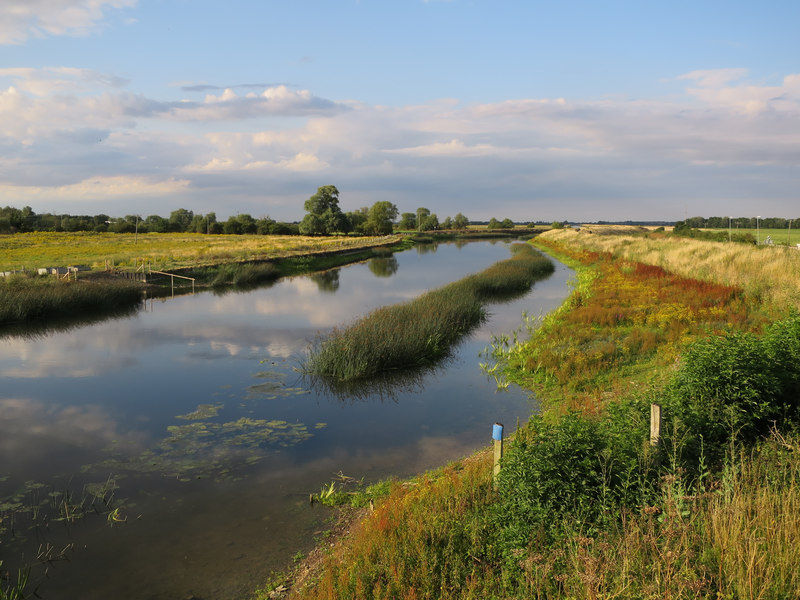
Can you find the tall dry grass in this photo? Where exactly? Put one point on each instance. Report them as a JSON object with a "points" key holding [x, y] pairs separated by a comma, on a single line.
{"points": [[768, 274]]}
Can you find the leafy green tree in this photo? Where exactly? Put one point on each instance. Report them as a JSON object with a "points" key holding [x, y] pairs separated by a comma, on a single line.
{"points": [[156, 224], [493, 224], [507, 224], [382, 216], [430, 223], [247, 222], [264, 226], [422, 214], [447, 223], [324, 215], [408, 221], [358, 219], [180, 220], [460, 222], [233, 226]]}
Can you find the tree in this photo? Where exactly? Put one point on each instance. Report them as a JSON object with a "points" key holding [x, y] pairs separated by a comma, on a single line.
{"points": [[156, 224], [381, 218], [324, 215], [180, 220], [422, 214], [264, 225], [507, 224], [430, 223], [447, 223], [460, 222], [493, 224], [408, 221], [358, 218]]}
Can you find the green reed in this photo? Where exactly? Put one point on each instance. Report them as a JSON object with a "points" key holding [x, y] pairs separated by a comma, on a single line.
{"points": [[422, 331], [26, 298]]}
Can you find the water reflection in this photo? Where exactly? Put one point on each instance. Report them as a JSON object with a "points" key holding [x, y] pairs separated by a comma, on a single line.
{"points": [[384, 387], [197, 409], [327, 281], [384, 267]]}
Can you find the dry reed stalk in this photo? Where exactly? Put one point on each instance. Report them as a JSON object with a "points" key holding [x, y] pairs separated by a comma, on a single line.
{"points": [[769, 274]]}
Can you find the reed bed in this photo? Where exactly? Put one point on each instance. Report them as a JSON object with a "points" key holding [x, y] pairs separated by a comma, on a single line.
{"points": [[28, 298], [768, 274], [420, 332]]}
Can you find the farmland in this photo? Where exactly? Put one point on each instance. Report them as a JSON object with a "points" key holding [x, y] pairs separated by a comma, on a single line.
{"points": [[167, 251]]}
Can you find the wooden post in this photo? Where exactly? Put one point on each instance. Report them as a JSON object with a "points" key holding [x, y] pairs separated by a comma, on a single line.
{"points": [[655, 424], [497, 436]]}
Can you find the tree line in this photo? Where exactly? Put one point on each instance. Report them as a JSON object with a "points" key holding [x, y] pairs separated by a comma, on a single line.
{"points": [[14, 220], [323, 216], [736, 222]]}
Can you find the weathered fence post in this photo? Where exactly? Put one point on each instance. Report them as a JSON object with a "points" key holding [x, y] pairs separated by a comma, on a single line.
{"points": [[497, 436], [655, 424]]}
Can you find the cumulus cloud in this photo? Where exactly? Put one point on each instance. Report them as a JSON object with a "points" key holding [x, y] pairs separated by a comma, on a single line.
{"points": [[23, 19], [99, 140], [717, 88]]}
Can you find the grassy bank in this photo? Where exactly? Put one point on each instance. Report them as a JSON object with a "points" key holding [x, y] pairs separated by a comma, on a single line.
{"points": [[584, 506], [164, 251], [768, 274], [25, 297], [422, 331]]}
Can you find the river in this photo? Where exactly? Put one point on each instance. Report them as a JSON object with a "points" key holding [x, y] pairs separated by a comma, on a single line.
{"points": [[188, 426]]}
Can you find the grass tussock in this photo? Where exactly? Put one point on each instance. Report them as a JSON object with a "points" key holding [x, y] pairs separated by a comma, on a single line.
{"points": [[422, 331]]}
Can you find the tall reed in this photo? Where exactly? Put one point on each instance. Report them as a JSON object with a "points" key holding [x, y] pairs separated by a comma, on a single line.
{"points": [[26, 298]]}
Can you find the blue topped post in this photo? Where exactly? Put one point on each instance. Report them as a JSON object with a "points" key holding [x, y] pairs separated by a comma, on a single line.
{"points": [[497, 436]]}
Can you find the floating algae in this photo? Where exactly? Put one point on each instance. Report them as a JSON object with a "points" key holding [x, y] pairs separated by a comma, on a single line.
{"points": [[204, 449], [204, 411]]}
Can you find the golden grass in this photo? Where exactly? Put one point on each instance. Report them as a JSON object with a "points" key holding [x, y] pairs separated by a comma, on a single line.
{"points": [[768, 274], [162, 250]]}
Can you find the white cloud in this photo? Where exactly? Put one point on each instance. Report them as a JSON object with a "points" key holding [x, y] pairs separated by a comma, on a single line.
{"points": [[57, 80], [23, 19], [99, 142], [105, 188], [716, 88]]}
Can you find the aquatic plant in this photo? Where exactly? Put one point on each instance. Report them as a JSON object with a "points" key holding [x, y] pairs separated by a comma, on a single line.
{"points": [[420, 332], [25, 298]]}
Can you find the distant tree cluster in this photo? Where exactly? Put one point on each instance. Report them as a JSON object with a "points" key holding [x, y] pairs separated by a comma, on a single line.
{"points": [[736, 222], [14, 220], [504, 224], [323, 216]]}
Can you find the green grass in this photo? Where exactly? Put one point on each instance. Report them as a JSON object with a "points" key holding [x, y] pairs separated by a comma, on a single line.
{"points": [[584, 507], [420, 332]]}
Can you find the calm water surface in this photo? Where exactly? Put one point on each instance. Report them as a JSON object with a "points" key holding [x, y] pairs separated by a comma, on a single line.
{"points": [[192, 419]]}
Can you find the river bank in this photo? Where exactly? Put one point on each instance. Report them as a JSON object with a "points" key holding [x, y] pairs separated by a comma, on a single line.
{"points": [[584, 505]]}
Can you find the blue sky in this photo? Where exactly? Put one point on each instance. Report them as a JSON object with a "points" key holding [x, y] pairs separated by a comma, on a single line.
{"points": [[577, 110]]}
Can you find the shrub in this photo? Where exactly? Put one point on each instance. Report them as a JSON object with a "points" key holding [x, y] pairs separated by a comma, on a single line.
{"points": [[734, 387]]}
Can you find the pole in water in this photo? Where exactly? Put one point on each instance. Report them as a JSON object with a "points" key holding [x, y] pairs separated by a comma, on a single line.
{"points": [[497, 436]]}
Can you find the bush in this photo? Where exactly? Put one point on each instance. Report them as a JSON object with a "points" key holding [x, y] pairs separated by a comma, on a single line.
{"points": [[734, 388]]}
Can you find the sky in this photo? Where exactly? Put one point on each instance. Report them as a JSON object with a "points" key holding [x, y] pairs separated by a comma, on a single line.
{"points": [[533, 110]]}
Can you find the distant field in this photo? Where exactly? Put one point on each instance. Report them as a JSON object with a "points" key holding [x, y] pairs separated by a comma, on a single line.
{"points": [[779, 236], [161, 250]]}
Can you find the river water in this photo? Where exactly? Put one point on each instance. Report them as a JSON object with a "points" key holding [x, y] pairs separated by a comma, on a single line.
{"points": [[190, 429]]}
